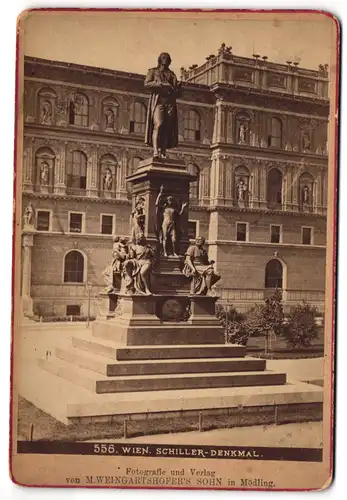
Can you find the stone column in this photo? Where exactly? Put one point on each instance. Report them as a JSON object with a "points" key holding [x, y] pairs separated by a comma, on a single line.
{"points": [[59, 170], [325, 190], [254, 186], [28, 166], [27, 301], [230, 128], [122, 192], [92, 174], [95, 111], [319, 194], [229, 184], [218, 179], [295, 187], [263, 186]]}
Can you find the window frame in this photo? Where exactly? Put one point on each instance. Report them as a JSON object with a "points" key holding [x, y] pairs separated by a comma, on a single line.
{"points": [[191, 134], [197, 228], [74, 305], [133, 122], [47, 210], [70, 169], [281, 233], [312, 235], [84, 276], [83, 225], [113, 224], [246, 233]]}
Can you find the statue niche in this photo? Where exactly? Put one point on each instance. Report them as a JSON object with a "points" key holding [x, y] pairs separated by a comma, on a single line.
{"points": [[109, 114], [243, 127], [44, 167], [47, 99], [306, 191], [241, 186], [108, 169]]}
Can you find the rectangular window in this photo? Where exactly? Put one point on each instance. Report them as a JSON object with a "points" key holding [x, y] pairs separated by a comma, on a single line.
{"points": [[241, 231], [192, 229], [73, 310], [107, 224], [43, 220], [76, 223], [306, 236], [276, 236], [132, 127]]}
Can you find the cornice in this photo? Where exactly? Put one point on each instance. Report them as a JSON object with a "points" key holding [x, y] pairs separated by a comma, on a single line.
{"points": [[275, 247], [70, 197], [265, 212]]}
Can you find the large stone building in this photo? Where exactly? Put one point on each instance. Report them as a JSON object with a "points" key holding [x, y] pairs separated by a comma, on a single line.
{"points": [[254, 132]]}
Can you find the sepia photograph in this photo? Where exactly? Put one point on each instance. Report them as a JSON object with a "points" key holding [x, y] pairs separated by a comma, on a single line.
{"points": [[175, 249]]}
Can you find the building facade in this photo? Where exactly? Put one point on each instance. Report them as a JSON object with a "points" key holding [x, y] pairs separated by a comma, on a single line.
{"points": [[254, 133]]}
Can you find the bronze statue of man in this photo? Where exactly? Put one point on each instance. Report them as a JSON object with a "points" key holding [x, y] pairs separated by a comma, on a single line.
{"points": [[162, 121]]}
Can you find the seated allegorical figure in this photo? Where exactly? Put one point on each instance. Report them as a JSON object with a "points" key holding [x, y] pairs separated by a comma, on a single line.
{"points": [[120, 253], [199, 268], [137, 269]]}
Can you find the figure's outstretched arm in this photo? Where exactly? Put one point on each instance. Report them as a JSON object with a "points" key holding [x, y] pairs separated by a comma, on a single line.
{"points": [[159, 197], [182, 208]]}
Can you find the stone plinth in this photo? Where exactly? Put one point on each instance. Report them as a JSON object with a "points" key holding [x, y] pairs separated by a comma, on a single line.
{"points": [[146, 181]]}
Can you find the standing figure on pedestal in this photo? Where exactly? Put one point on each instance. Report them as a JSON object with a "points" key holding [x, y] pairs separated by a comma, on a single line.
{"points": [[162, 122], [137, 269], [200, 269], [242, 133], [241, 190], [44, 174], [168, 215], [138, 219], [305, 195], [28, 217], [108, 180]]}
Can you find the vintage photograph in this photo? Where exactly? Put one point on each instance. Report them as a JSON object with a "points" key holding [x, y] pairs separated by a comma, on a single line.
{"points": [[174, 249]]}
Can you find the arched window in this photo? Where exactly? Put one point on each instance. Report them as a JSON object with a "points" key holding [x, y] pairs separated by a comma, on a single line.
{"points": [[195, 185], [79, 110], [192, 126], [132, 167], [108, 174], [275, 139], [76, 171], [74, 267], [274, 274], [138, 118], [274, 188]]}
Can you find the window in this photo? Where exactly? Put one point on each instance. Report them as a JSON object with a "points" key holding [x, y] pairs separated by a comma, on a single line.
{"points": [[192, 125], [194, 186], [306, 235], [73, 267], [275, 139], [78, 110], [76, 170], [138, 118], [106, 224], [276, 234], [73, 310], [274, 274], [43, 220], [76, 223], [192, 229], [274, 187], [241, 231]]}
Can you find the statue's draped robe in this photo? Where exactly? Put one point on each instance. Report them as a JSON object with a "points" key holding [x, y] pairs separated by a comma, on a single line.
{"points": [[159, 95]]}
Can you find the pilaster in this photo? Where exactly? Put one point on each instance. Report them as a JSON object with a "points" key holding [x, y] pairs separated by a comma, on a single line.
{"points": [[27, 301], [92, 174], [59, 170], [28, 165]]}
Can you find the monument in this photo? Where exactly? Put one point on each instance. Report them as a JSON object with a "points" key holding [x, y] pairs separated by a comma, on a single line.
{"points": [[157, 332]]}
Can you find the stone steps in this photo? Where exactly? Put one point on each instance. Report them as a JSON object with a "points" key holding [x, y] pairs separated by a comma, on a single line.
{"points": [[110, 367], [112, 350], [101, 384]]}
